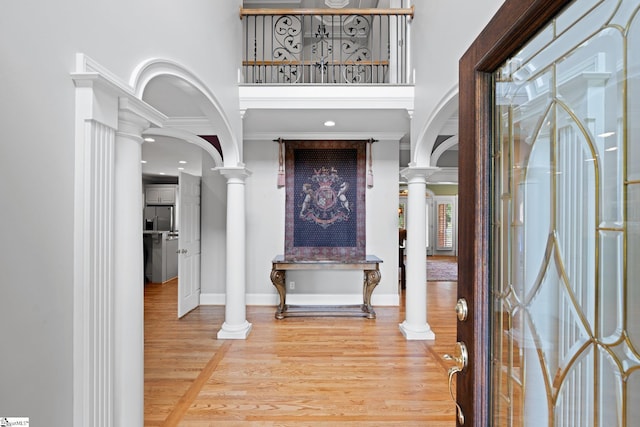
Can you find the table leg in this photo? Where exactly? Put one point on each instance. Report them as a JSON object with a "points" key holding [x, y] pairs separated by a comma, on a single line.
{"points": [[371, 280], [278, 280]]}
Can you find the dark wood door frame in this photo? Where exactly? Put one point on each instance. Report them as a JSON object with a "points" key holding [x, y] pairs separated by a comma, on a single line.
{"points": [[513, 25]]}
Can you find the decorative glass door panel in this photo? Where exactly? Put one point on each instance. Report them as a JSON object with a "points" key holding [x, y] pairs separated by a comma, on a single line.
{"points": [[565, 237]]}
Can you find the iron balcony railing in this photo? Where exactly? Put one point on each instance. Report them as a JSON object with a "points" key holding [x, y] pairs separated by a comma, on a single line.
{"points": [[326, 46]]}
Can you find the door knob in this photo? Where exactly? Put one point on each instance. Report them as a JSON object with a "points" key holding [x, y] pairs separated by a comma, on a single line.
{"points": [[461, 359]]}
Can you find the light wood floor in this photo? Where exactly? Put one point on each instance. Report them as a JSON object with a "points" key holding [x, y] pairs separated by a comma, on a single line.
{"points": [[297, 371]]}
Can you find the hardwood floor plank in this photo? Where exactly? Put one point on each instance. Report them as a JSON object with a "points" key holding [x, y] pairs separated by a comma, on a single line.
{"points": [[297, 371], [196, 386]]}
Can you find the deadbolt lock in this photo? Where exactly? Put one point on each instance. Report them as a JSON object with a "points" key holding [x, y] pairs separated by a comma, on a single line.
{"points": [[462, 309]]}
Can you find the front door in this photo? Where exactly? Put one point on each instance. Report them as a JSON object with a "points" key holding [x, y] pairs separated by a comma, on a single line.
{"points": [[554, 334]]}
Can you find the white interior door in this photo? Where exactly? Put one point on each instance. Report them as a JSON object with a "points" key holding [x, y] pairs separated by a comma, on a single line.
{"points": [[189, 247]]}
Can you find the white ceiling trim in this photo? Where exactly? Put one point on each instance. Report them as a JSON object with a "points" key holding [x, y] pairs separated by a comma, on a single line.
{"points": [[188, 137], [327, 97], [196, 125], [270, 136], [444, 176]]}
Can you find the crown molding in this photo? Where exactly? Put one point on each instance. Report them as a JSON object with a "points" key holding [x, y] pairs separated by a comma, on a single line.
{"points": [[188, 121], [90, 74], [89, 71], [327, 97], [270, 136], [448, 175]]}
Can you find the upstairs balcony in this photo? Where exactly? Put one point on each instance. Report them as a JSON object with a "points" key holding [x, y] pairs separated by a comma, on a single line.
{"points": [[326, 46]]}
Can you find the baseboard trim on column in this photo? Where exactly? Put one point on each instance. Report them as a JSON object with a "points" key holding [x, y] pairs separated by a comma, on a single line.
{"points": [[234, 332], [423, 332]]}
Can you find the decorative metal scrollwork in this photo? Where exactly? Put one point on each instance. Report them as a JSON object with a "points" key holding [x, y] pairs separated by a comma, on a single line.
{"points": [[356, 28], [287, 46], [356, 73], [287, 41]]}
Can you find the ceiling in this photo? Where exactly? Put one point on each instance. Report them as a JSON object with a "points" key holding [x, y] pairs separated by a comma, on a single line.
{"points": [[165, 155], [311, 122], [179, 101]]}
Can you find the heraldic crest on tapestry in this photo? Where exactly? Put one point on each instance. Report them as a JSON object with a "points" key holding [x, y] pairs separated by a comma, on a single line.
{"points": [[325, 198]]}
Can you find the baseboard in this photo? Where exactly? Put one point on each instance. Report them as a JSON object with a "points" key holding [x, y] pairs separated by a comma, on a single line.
{"points": [[212, 299], [389, 300]]}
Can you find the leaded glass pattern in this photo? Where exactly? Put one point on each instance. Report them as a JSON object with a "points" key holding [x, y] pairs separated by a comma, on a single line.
{"points": [[565, 240]]}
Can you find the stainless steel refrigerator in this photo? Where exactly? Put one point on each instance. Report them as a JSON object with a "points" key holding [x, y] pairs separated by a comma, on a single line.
{"points": [[159, 218]]}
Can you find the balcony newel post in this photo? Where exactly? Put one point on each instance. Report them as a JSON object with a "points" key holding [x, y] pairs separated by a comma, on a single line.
{"points": [[406, 50], [394, 62]]}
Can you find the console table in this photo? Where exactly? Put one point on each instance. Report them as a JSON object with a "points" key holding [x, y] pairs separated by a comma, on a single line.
{"points": [[370, 267]]}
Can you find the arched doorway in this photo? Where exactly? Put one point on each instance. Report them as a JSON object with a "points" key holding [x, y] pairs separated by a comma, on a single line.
{"points": [[111, 118]]}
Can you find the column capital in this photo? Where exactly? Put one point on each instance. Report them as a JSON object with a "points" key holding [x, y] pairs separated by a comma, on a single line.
{"points": [[134, 107], [418, 173], [134, 116], [234, 173], [130, 126]]}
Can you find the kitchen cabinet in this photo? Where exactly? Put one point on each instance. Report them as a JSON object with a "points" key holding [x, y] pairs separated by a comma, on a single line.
{"points": [[160, 194], [161, 256]]}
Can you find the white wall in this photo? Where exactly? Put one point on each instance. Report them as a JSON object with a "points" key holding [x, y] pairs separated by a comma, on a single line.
{"points": [[38, 43], [265, 216], [213, 222], [266, 228], [442, 31]]}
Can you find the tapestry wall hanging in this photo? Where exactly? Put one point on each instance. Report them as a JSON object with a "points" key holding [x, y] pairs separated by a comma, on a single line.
{"points": [[325, 200]]}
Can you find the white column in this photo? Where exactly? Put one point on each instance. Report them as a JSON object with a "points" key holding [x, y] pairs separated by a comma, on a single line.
{"points": [[128, 274], [415, 326], [235, 324]]}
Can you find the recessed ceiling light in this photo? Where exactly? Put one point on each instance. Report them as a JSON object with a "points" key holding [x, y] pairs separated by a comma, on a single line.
{"points": [[162, 173], [329, 123], [180, 169], [149, 139], [143, 161], [182, 162]]}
